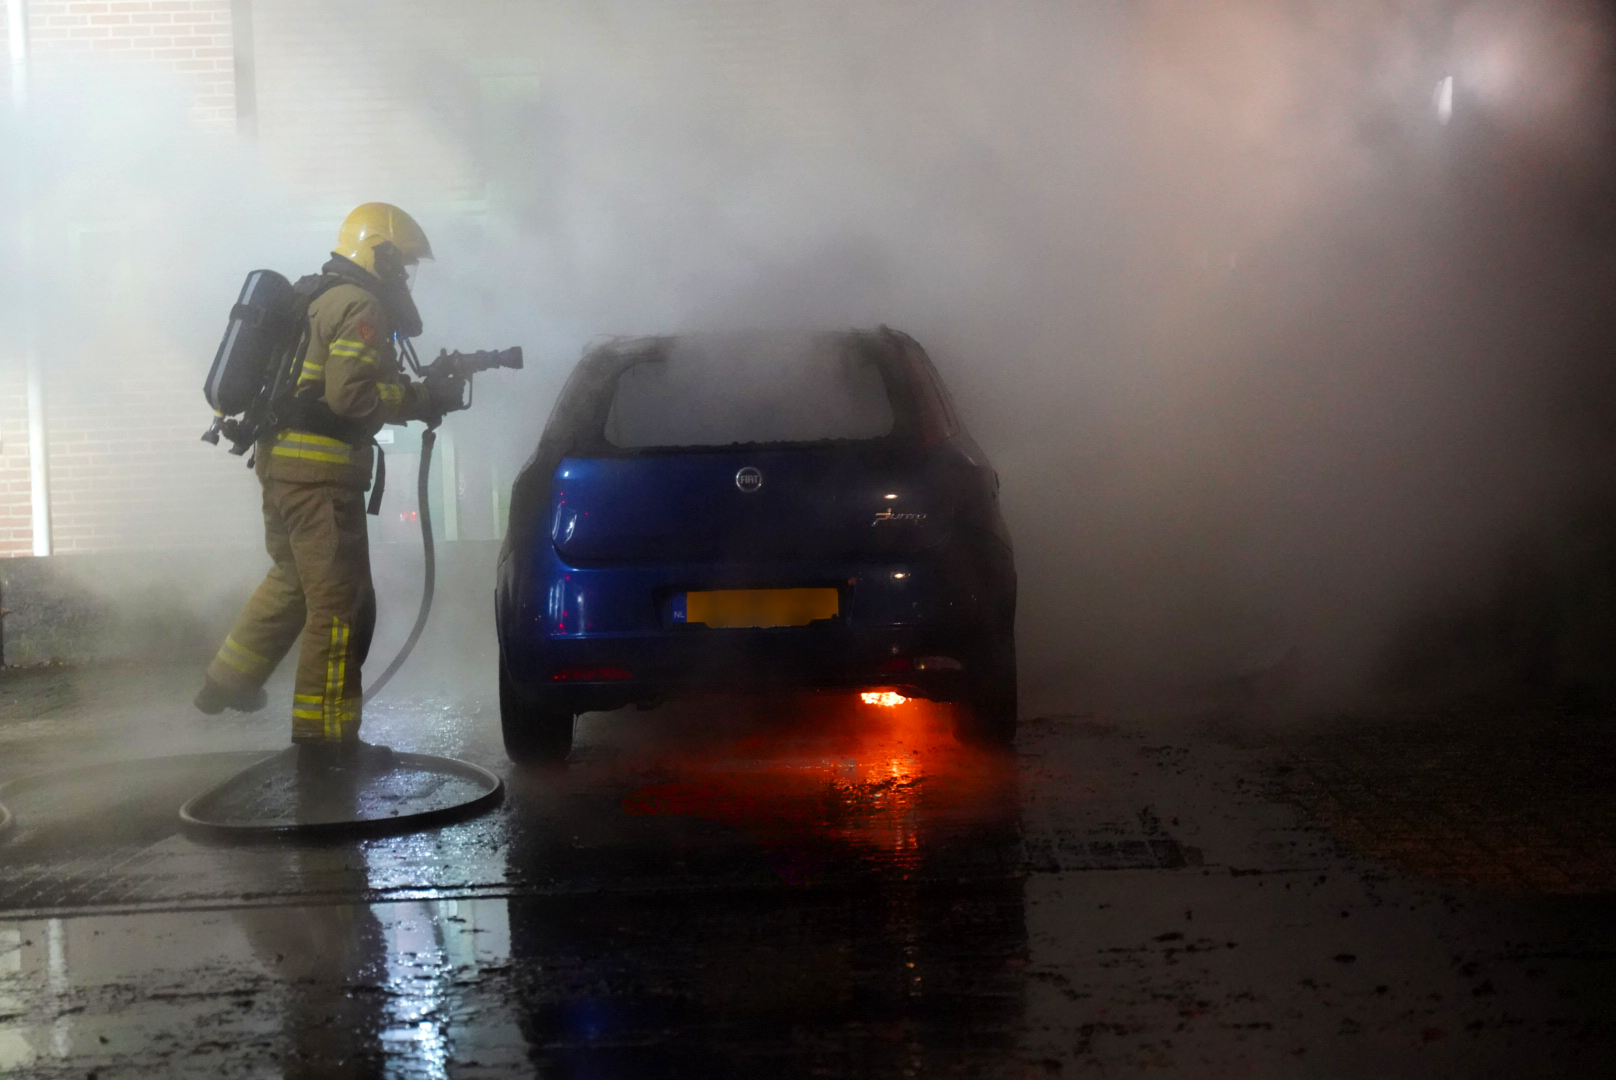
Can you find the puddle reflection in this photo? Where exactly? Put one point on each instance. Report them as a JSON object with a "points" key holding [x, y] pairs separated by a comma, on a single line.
{"points": [[332, 962], [868, 912], [827, 889]]}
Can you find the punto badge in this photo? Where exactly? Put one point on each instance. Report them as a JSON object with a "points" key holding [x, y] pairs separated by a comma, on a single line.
{"points": [[749, 480]]}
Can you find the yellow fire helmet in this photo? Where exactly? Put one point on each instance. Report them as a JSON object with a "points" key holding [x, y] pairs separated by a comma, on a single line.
{"points": [[376, 223]]}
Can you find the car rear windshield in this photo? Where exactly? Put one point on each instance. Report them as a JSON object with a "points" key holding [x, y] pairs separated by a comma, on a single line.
{"points": [[750, 389]]}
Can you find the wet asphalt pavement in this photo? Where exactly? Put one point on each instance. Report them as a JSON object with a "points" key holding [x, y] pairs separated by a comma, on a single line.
{"points": [[814, 887]]}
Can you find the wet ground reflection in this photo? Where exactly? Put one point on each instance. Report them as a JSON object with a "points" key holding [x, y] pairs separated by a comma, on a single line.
{"points": [[727, 888], [741, 887], [863, 909], [331, 967]]}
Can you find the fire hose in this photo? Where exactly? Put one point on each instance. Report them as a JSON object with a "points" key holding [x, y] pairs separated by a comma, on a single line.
{"points": [[460, 366], [429, 438]]}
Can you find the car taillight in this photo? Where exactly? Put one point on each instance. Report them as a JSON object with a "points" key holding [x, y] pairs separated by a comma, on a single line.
{"points": [[591, 674]]}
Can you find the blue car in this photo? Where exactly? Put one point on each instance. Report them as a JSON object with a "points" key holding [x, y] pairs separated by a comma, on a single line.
{"points": [[754, 511]]}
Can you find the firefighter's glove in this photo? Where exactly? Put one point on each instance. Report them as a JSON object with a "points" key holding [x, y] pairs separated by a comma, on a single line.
{"points": [[445, 393]]}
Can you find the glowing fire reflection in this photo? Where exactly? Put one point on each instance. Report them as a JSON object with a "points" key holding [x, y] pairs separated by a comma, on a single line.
{"points": [[821, 785]]}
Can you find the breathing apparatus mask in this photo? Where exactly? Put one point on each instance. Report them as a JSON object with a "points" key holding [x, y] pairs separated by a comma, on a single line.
{"points": [[397, 277]]}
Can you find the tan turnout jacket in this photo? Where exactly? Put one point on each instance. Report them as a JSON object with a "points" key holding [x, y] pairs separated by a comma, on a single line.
{"points": [[351, 365]]}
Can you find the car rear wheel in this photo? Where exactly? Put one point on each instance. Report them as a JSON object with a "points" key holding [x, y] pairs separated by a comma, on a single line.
{"points": [[537, 731], [989, 717]]}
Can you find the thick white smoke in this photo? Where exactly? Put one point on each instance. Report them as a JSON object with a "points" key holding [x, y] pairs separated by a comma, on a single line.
{"points": [[1264, 351]]}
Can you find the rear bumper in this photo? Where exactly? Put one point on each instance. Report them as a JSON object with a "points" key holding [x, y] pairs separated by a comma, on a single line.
{"points": [[560, 626], [697, 660]]}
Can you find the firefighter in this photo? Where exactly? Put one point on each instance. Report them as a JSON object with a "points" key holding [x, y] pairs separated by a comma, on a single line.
{"points": [[314, 473]]}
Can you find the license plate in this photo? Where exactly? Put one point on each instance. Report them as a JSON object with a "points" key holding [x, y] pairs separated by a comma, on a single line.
{"points": [[736, 608]]}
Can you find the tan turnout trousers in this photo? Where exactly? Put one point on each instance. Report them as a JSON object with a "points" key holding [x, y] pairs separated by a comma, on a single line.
{"points": [[319, 590]]}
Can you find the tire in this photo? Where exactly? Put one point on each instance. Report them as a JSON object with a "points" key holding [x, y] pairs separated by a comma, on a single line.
{"points": [[536, 731], [988, 720]]}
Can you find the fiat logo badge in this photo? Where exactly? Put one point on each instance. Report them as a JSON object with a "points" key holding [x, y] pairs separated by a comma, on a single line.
{"points": [[749, 479]]}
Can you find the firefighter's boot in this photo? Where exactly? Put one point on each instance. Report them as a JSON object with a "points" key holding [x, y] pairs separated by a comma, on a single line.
{"points": [[215, 698]]}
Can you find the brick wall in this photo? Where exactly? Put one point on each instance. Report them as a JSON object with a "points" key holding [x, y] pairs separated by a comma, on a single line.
{"points": [[190, 39], [128, 471], [16, 530]]}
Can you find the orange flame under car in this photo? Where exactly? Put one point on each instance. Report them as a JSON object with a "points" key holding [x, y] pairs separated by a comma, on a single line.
{"points": [[885, 698]]}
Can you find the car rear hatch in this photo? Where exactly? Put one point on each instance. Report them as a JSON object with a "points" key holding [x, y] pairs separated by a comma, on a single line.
{"points": [[745, 447], [739, 506]]}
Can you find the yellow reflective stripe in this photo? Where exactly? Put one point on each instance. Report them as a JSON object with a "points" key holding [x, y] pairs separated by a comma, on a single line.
{"points": [[342, 681], [241, 652], [312, 447], [240, 665], [306, 714], [307, 699], [310, 365], [232, 643], [390, 393], [312, 455], [309, 438], [352, 350], [330, 677], [336, 674]]}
